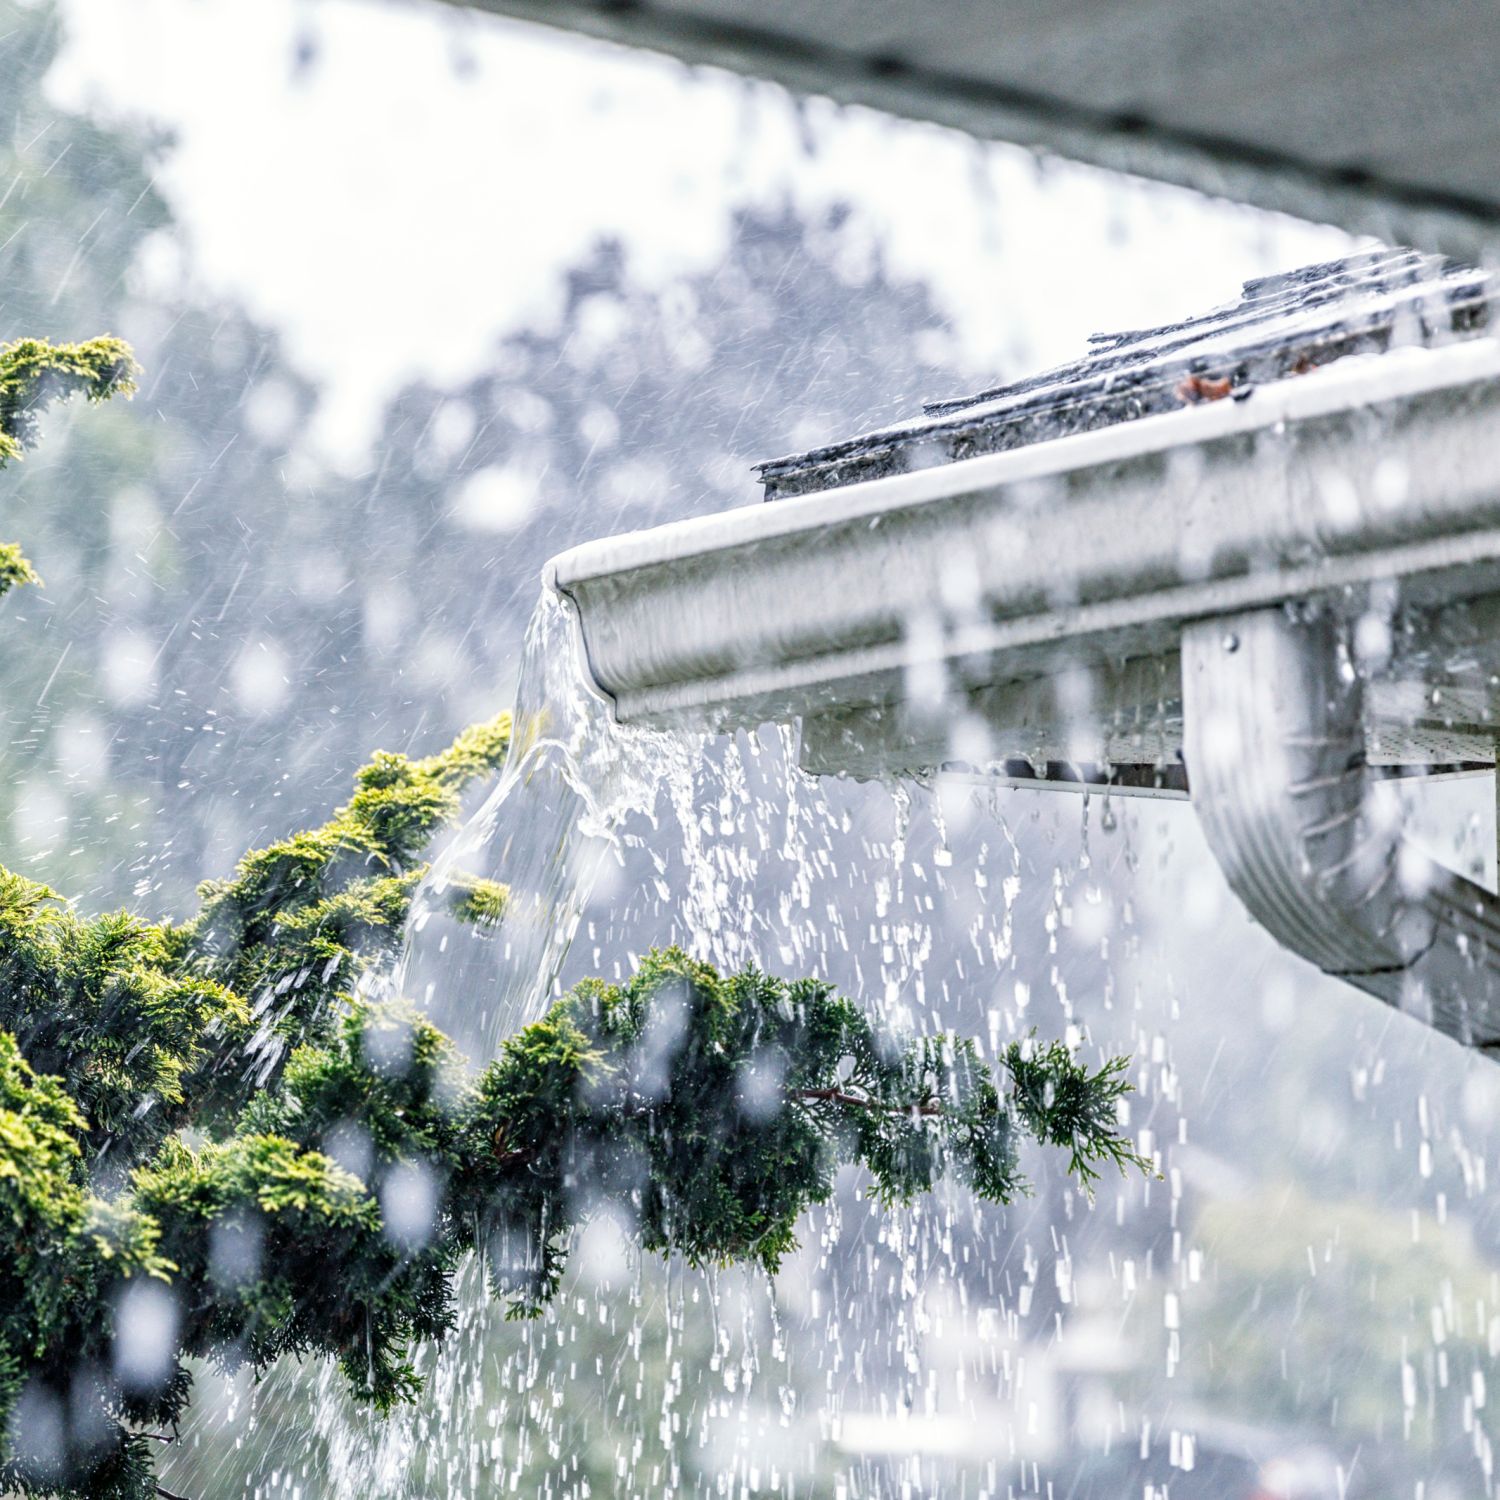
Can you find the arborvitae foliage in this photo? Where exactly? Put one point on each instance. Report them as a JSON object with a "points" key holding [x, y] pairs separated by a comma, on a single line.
{"points": [[215, 1144], [34, 374], [14, 569], [160, 1026]]}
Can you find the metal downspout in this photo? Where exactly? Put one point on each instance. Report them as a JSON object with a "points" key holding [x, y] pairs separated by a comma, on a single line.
{"points": [[1307, 838]]}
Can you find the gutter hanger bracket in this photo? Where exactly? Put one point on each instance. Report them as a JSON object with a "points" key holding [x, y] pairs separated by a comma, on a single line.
{"points": [[1310, 840]]}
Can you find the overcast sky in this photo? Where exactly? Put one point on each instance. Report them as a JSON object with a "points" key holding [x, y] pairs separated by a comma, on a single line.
{"points": [[393, 183]]}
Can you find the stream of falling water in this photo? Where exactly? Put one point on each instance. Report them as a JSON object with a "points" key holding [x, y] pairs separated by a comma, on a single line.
{"points": [[546, 832]]}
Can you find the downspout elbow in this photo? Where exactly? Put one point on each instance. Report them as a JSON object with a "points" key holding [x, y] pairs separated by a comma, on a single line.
{"points": [[1309, 839]]}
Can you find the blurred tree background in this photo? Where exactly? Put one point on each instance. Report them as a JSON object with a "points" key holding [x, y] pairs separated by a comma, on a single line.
{"points": [[228, 626]]}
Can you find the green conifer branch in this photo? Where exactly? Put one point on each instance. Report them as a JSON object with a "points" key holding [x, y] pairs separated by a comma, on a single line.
{"points": [[14, 569], [159, 1026], [213, 1068], [33, 375]]}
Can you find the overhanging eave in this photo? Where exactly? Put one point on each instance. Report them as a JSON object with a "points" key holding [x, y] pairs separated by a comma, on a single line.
{"points": [[1371, 114]]}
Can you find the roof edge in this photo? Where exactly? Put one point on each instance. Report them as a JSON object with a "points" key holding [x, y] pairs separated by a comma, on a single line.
{"points": [[1392, 211]]}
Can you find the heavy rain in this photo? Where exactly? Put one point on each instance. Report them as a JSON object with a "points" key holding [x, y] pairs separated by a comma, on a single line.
{"points": [[874, 532]]}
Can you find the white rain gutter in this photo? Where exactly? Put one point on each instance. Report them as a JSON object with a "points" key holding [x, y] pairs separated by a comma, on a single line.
{"points": [[1121, 553]]}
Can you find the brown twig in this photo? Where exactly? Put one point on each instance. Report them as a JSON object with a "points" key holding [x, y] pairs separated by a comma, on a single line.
{"points": [[503, 1156], [927, 1107]]}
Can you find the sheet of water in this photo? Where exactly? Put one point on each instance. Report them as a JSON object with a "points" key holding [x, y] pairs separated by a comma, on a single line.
{"points": [[546, 831]]}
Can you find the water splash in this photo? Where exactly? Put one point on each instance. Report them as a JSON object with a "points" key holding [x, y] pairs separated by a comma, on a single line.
{"points": [[545, 832]]}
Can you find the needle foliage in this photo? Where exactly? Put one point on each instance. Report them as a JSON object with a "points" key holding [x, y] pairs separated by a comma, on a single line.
{"points": [[215, 1144], [33, 376]]}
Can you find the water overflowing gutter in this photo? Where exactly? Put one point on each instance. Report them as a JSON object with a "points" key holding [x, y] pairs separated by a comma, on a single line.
{"points": [[1203, 599], [1091, 549]]}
